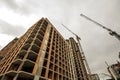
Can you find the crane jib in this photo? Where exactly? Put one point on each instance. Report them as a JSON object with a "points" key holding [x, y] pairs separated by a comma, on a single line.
{"points": [[113, 33]]}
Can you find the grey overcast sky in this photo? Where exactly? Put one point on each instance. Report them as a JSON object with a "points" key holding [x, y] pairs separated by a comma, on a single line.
{"points": [[16, 16]]}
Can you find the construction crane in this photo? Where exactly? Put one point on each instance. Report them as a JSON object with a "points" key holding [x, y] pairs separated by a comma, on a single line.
{"points": [[112, 33], [81, 50]]}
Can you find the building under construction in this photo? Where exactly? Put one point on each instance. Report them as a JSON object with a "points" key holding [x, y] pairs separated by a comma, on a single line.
{"points": [[42, 54], [114, 71], [7, 48]]}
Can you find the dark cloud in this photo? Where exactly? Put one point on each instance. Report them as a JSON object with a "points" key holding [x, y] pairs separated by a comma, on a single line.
{"points": [[10, 4], [23, 7], [9, 29]]}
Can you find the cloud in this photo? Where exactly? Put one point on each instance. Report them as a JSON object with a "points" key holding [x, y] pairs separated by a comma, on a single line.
{"points": [[5, 39], [0, 47], [9, 29], [19, 6]]}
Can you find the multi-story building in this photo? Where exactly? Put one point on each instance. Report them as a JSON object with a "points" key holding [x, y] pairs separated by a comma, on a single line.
{"points": [[42, 54], [77, 60], [114, 70], [7, 48], [95, 77]]}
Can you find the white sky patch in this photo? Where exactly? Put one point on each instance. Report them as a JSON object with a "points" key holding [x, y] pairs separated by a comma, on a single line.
{"points": [[9, 16], [5, 39], [15, 19], [19, 2]]}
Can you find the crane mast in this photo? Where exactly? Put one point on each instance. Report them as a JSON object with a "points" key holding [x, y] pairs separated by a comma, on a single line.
{"points": [[112, 33], [83, 55]]}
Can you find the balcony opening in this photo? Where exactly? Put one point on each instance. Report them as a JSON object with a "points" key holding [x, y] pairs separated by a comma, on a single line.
{"points": [[56, 68], [43, 72], [9, 76], [52, 59], [35, 31], [32, 35], [56, 56], [21, 54], [46, 55], [50, 74], [37, 42], [47, 50], [40, 37], [63, 72], [15, 65], [55, 76], [28, 66], [26, 46], [43, 29], [60, 77], [60, 70], [41, 32], [51, 66], [35, 48], [45, 63], [56, 61], [48, 43], [52, 53], [64, 78], [32, 56], [29, 41], [25, 76]]}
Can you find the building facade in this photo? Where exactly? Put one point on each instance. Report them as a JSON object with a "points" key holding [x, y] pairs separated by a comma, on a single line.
{"points": [[77, 61], [95, 77], [7, 48], [114, 70], [43, 54]]}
